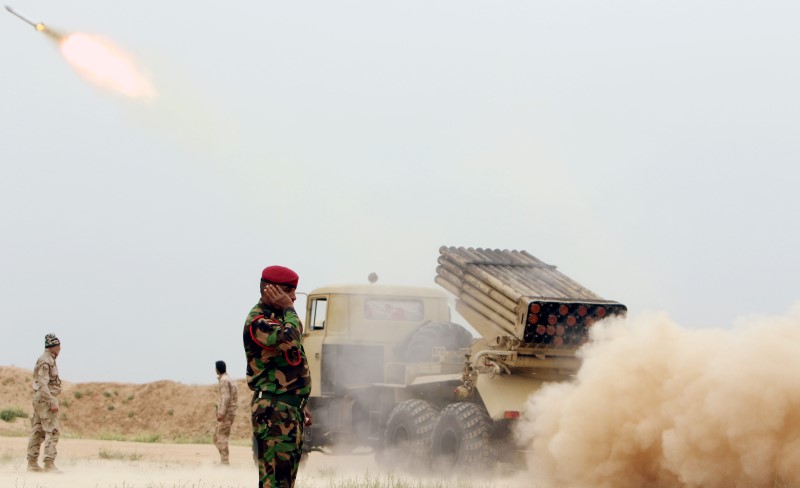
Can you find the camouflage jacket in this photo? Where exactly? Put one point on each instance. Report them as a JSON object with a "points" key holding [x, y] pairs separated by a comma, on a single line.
{"points": [[228, 396], [45, 378], [273, 346]]}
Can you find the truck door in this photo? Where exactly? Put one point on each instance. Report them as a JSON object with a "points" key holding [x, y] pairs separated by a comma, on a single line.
{"points": [[313, 337]]}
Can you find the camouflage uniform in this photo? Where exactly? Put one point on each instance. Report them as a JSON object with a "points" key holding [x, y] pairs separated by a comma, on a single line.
{"points": [[228, 400], [277, 372], [45, 425]]}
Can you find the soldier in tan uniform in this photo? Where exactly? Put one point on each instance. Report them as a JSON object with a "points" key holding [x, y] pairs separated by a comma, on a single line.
{"points": [[226, 411], [45, 424]]}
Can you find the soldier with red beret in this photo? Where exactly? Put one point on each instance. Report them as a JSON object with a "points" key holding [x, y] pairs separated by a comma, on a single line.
{"points": [[278, 374]]}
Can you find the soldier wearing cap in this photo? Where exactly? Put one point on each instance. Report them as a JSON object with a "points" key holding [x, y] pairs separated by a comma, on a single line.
{"points": [[278, 374], [226, 410], [45, 423]]}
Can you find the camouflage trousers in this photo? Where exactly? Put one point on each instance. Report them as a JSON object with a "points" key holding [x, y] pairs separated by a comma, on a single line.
{"points": [[222, 433], [278, 441], [45, 427]]}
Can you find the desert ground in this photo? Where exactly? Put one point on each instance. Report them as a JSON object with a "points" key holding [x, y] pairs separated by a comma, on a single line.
{"points": [[158, 435], [103, 463]]}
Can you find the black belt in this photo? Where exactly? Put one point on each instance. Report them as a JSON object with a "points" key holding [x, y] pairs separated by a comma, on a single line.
{"points": [[292, 400]]}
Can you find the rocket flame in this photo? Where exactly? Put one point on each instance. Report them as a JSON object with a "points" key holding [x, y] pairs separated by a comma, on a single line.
{"points": [[106, 65]]}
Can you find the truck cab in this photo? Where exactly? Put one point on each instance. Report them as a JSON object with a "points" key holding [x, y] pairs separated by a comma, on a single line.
{"points": [[351, 331], [353, 339]]}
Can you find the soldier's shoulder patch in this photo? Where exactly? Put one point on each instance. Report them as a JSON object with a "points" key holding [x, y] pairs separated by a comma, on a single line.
{"points": [[263, 319], [257, 321]]}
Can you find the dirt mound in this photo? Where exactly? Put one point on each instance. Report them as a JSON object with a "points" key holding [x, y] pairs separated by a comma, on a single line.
{"points": [[163, 411]]}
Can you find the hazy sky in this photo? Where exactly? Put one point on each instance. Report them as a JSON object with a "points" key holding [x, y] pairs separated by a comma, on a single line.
{"points": [[649, 149]]}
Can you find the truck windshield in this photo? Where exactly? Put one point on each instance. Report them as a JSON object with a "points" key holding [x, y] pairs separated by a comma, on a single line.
{"points": [[387, 309], [319, 312]]}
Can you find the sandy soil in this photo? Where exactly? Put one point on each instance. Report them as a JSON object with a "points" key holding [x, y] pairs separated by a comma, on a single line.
{"points": [[157, 465], [174, 414], [162, 410]]}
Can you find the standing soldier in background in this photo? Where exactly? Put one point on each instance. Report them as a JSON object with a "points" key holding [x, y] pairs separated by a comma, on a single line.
{"points": [[45, 424], [278, 374], [226, 411]]}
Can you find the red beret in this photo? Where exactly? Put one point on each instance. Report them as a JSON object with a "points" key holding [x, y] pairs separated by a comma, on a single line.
{"points": [[280, 275]]}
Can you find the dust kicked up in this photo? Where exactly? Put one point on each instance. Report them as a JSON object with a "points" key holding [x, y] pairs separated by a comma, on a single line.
{"points": [[655, 404]]}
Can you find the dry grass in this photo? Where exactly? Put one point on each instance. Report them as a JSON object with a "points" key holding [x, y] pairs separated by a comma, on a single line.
{"points": [[118, 455], [392, 481]]}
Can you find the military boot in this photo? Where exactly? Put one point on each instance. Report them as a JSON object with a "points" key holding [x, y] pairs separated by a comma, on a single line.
{"points": [[223, 456], [50, 467], [33, 465]]}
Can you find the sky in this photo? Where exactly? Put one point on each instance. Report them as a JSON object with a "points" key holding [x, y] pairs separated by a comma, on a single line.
{"points": [[648, 149]]}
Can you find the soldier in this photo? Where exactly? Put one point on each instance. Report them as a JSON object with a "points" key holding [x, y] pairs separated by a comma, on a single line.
{"points": [[278, 374], [226, 410], [45, 424]]}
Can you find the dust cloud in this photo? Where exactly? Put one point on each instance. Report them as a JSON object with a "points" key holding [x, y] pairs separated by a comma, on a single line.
{"points": [[659, 405]]}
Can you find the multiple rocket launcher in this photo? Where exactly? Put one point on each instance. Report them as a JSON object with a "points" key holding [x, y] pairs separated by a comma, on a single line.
{"points": [[502, 293]]}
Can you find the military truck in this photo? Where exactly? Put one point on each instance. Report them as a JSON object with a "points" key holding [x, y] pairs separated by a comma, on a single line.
{"points": [[392, 372]]}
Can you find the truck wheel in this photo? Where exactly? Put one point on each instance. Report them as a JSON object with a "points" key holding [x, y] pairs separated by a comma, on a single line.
{"points": [[418, 346], [460, 439], [406, 441]]}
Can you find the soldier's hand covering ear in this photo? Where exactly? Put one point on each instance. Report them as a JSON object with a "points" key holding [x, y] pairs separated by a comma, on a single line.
{"points": [[275, 296]]}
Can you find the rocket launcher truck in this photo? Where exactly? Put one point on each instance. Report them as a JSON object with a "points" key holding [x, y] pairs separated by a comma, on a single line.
{"points": [[391, 371]]}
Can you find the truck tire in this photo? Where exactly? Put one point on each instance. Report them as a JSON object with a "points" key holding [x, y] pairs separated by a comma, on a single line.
{"points": [[407, 438], [460, 439], [418, 346]]}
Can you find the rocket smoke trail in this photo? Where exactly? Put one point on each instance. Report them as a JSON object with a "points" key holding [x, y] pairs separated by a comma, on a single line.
{"points": [[98, 60], [36, 25]]}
